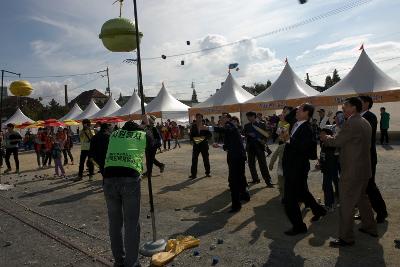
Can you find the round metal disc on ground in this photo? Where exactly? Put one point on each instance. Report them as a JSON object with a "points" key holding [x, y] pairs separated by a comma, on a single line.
{"points": [[150, 248]]}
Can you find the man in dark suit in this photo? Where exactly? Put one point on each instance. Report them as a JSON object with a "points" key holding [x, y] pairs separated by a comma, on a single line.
{"points": [[255, 146], [299, 149], [375, 197]]}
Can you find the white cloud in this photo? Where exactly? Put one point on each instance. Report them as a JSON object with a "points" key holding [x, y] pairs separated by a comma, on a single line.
{"points": [[345, 42]]}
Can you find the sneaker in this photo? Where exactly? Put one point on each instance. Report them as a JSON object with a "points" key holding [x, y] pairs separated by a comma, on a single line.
{"points": [[7, 171]]}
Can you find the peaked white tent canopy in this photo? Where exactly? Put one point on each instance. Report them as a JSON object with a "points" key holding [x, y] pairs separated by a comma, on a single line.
{"points": [[110, 107], [89, 111], [287, 86], [231, 93], [364, 77], [167, 106], [130, 107], [73, 113], [18, 118]]}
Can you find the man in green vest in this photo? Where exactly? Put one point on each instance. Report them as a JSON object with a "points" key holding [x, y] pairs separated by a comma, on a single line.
{"points": [[384, 125], [123, 166]]}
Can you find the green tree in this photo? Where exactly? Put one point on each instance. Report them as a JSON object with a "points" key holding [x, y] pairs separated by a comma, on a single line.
{"points": [[328, 82], [335, 77], [257, 88], [53, 110]]}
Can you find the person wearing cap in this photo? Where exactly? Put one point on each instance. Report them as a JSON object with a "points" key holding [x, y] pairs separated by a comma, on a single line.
{"points": [[323, 118], [236, 159], [99, 145], [12, 139], [199, 136], [255, 147], [122, 170], [354, 141], [85, 135], [375, 196]]}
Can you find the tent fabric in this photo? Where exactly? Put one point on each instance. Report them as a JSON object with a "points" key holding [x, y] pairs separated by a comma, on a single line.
{"points": [[287, 86], [165, 102], [364, 77], [73, 113], [18, 118], [89, 111], [230, 94], [110, 107], [129, 108]]}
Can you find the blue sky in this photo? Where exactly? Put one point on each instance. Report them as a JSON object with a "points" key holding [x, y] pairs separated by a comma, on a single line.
{"points": [[53, 37]]}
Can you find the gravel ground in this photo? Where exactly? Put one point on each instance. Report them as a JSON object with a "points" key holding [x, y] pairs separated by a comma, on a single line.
{"points": [[253, 237]]}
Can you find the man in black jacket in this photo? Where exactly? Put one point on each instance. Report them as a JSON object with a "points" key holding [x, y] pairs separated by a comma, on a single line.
{"points": [[375, 197], [255, 146], [299, 149], [199, 136], [236, 159], [151, 151], [99, 145]]}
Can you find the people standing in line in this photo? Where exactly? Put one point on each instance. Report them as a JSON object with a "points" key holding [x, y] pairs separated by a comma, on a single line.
{"points": [[12, 139], [58, 144], [68, 147], [299, 149], [40, 156], [278, 155], [384, 126], [99, 145], [199, 136], [151, 150], [328, 164], [236, 159], [255, 147], [85, 136], [175, 132], [375, 197], [354, 141], [123, 167]]}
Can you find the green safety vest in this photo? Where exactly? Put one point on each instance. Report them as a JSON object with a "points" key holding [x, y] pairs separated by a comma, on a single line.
{"points": [[126, 149]]}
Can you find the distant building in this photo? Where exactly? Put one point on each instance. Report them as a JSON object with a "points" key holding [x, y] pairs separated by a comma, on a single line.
{"points": [[84, 98]]}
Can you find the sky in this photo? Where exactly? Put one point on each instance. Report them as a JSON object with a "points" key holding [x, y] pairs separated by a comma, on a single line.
{"points": [[41, 38]]}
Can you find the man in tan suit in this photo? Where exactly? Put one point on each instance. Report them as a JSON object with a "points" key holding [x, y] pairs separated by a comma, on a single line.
{"points": [[354, 141]]}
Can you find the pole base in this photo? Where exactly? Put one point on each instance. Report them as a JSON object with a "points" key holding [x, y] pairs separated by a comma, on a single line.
{"points": [[150, 248]]}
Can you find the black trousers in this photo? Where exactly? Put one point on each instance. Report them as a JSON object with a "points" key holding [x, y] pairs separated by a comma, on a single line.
{"points": [[203, 149], [237, 180], [67, 153], [151, 156], [13, 151], [375, 197], [165, 144], [257, 153], [82, 159], [296, 190], [384, 136], [47, 158]]}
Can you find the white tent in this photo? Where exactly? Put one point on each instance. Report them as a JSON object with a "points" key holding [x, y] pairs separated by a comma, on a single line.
{"points": [[73, 113], [364, 77], [130, 107], [110, 107], [18, 118], [167, 105], [230, 93], [287, 86], [89, 111]]}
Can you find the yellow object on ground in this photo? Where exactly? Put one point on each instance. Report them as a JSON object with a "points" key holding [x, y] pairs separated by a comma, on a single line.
{"points": [[174, 248]]}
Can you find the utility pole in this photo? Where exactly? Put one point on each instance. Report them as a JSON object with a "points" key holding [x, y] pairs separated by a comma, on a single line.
{"points": [[66, 94], [1, 92], [108, 90]]}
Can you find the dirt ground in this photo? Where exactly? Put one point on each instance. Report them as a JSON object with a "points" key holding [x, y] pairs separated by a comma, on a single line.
{"points": [[252, 237]]}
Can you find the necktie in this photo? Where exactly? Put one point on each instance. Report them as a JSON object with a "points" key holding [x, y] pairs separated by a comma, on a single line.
{"points": [[294, 128]]}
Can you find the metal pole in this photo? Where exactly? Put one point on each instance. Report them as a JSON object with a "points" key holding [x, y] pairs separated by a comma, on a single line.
{"points": [[108, 83], [150, 163], [1, 99]]}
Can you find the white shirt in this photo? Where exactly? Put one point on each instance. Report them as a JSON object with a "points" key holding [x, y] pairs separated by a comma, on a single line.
{"points": [[296, 126], [362, 113], [323, 122]]}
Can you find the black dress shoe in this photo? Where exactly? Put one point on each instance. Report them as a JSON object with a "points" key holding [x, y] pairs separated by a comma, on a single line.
{"points": [[245, 197], [269, 185], [192, 177], [340, 243], [208, 175], [381, 218], [368, 233], [293, 231]]}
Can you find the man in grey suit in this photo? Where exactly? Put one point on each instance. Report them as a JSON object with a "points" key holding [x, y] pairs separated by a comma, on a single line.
{"points": [[354, 141]]}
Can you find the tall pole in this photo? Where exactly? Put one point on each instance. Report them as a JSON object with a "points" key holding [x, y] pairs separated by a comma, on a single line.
{"points": [[140, 82], [66, 94], [2, 89], [108, 82]]}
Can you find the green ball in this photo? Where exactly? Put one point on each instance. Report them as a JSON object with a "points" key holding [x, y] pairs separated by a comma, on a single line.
{"points": [[119, 35]]}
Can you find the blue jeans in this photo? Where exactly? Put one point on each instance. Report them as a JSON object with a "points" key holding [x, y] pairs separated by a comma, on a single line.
{"points": [[123, 203]]}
